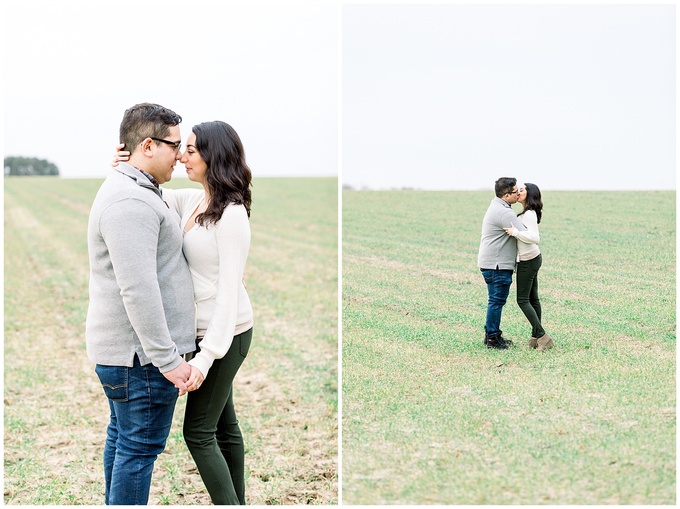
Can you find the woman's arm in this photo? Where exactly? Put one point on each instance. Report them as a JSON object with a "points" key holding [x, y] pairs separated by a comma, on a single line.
{"points": [[182, 199], [531, 235], [233, 243]]}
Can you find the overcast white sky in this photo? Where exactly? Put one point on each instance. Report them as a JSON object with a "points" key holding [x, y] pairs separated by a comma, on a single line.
{"points": [[434, 96], [271, 71], [455, 96]]}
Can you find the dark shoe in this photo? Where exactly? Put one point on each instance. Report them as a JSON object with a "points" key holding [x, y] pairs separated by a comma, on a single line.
{"points": [[508, 341], [497, 342], [533, 343]]}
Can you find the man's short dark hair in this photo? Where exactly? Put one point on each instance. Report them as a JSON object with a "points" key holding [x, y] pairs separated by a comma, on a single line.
{"points": [[504, 186], [146, 120]]}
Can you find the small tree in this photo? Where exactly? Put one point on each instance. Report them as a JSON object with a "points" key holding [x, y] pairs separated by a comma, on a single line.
{"points": [[29, 166]]}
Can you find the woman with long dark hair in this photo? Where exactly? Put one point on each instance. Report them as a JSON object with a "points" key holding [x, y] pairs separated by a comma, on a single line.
{"points": [[529, 263], [215, 224], [216, 243]]}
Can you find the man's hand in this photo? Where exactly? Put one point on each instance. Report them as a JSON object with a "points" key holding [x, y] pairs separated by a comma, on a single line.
{"points": [[179, 376]]}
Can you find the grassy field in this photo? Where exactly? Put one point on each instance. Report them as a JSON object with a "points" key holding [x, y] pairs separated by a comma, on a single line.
{"points": [[430, 416], [55, 412]]}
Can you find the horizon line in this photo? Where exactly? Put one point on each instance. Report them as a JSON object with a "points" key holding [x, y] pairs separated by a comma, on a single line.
{"points": [[418, 189], [178, 177]]}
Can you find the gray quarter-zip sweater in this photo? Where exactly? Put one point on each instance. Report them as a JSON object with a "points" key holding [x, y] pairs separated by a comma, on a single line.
{"points": [[497, 249], [141, 295]]}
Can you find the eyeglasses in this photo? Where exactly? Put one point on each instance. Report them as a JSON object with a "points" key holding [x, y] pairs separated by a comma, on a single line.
{"points": [[175, 144]]}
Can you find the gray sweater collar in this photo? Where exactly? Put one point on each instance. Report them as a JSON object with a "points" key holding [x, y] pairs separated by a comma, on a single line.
{"points": [[502, 202], [136, 174]]}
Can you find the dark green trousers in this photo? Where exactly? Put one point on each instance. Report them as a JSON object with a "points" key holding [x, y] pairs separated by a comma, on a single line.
{"points": [[527, 293], [211, 429]]}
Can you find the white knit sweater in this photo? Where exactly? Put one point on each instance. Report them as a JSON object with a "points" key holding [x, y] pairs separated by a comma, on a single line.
{"points": [[527, 248], [217, 257]]}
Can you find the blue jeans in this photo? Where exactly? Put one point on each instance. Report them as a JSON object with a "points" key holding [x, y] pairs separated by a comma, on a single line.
{"points": [[142, 403], [498, 283]]}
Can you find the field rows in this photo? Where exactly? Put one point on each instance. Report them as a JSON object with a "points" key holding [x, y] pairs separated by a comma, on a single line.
{"points": [[431, 416], [286, 393]]}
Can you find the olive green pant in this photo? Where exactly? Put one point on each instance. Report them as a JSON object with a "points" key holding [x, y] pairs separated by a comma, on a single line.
{"points": [[527, 293], [211, 429]]}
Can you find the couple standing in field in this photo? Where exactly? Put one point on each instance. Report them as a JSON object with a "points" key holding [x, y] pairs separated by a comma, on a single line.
{"points": [[510, 241], [166, 281]]}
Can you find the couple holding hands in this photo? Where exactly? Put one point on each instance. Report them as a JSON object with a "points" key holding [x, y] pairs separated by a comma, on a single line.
{"points": [[169, 313]]}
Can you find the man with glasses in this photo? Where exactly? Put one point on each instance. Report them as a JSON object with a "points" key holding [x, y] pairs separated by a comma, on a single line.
{"points": [[497, 257], [140, 320]]}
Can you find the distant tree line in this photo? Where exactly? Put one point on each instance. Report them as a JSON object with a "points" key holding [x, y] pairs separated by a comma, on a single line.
{"points": [[29, 166]]}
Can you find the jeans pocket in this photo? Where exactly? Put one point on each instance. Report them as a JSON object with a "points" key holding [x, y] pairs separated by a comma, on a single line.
{"points": [[114, 380], [488, 276], [497, 277], [154, 383], [244, 342], [504, 277]]}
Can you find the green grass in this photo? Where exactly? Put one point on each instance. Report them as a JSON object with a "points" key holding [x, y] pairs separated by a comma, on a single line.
{"points": [[55, 412], [431, 416]]}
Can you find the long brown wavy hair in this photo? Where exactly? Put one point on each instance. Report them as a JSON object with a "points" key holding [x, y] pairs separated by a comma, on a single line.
{"points": [[228, 177], [533, 201]]}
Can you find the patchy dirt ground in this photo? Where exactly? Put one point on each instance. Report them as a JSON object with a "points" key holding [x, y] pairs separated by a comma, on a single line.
{"points": [[55, 429]]}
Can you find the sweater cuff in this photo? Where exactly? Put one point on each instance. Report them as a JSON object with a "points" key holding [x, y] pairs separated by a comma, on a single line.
{"points": [[170, 366], [202, 362]]}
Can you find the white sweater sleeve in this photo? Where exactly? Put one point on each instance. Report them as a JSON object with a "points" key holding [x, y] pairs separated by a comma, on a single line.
{"points": [[531, 235], [181, 199], [233, 243]]}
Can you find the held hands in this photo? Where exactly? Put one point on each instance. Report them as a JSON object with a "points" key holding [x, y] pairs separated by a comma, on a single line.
{"points": [[185, 377], [179, 376], [195, 380], [121, 155]]}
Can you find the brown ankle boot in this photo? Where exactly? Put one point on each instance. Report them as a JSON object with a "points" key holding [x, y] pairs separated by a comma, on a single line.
{"points": [[545, 342], [533, 343]]}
